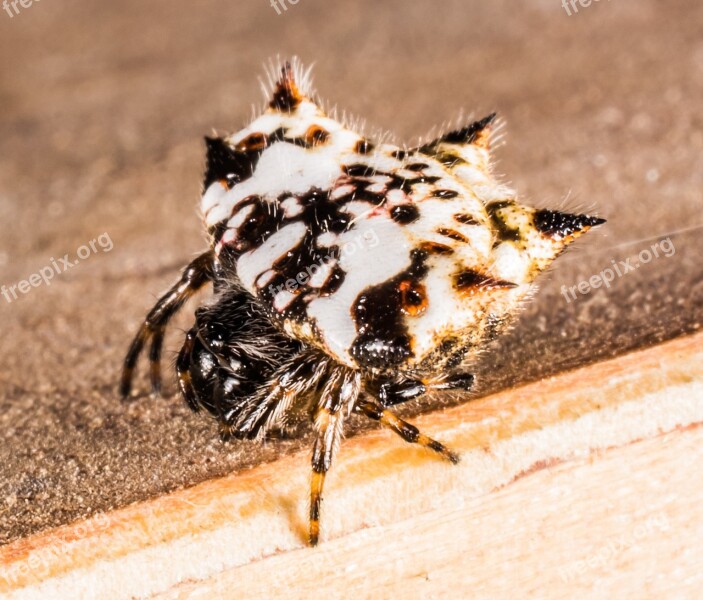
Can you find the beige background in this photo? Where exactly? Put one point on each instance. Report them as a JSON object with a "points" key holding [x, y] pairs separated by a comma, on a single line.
{"points": [[102, 111]]}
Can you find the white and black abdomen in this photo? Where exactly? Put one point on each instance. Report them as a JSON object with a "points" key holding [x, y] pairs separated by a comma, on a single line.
{"points": [[383, 258]]}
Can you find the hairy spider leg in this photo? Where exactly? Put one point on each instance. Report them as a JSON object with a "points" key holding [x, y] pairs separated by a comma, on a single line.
{"points": [[185, 381], [405, 430], [290, 382], [340, 392], [195, 275], [391, 390]]}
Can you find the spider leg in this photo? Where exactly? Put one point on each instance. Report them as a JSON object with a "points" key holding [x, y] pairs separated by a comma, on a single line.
{"points": [[157, 342], [289, 383], [340, 391], [391, 390], [455, 381], [218, 400], [194, 276], [183, 362], [405, 430]]}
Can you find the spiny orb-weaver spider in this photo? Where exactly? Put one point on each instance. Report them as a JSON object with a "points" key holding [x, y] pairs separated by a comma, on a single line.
{"points": [[346, 275]]}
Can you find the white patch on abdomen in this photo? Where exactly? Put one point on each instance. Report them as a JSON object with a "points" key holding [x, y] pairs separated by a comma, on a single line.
{"points": [[289, 168], [366, 262], [212, 196], [510, 264], [281, 168], [239, 217], [252, 264]]}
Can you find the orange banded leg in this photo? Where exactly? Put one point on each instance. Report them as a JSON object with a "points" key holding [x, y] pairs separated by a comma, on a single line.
{"points": [[405, 430], [316, 485], [329, 426], [340, 391], [194, 276]]}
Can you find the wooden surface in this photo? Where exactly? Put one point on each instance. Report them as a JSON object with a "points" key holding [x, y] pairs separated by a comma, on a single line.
{"points": [[583, 485]]}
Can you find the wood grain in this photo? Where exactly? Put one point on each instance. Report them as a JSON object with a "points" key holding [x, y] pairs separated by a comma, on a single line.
{"points": [[585, 482]]}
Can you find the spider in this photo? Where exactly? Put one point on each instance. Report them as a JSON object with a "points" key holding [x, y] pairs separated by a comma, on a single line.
{"points": [[347, 275]]}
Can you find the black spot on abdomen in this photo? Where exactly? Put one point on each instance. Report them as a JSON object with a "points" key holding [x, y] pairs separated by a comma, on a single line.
{"points": [[383, 340], [446, 194], [405, 213]]}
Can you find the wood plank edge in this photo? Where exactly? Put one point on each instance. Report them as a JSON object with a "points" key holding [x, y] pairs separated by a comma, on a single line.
{"points": [[377, 481]]}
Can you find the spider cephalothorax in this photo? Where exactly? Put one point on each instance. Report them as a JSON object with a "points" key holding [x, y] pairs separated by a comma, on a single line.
{"points": [[347, 275]]}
